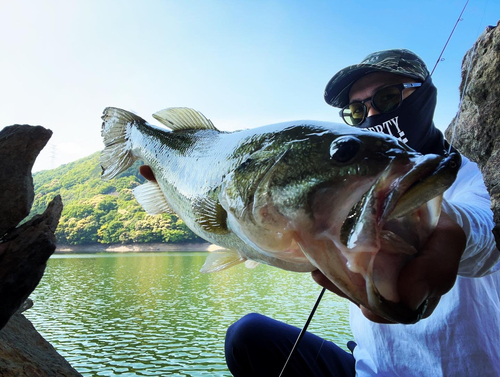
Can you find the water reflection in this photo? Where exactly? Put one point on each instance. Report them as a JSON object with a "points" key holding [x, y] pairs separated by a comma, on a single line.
{"points": [[155, 314]]}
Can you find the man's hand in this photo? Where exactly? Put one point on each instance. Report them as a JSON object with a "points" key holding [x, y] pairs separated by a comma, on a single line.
{"points": [[428, 276]]}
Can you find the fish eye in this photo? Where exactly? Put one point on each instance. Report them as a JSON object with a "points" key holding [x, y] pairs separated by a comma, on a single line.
{"points": [[344, 149]]}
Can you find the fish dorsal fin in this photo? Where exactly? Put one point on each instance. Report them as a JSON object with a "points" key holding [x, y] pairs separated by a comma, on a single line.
{"points": [[183, 118], [151, 198], [219, 260], [210, 215]]}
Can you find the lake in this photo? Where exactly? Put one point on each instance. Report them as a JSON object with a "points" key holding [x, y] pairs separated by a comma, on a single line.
{"points": [[155, 314]]}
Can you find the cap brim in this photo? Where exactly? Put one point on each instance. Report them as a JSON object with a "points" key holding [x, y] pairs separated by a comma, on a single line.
{"points": [[338, 88]]}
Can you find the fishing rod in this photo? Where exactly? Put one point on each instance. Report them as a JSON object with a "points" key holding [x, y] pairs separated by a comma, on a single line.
{"points": [[466, 78], [451, 34], [304, 329]]}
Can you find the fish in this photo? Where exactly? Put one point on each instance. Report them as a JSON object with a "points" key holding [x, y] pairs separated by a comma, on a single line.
{"points": [[299, 195]]}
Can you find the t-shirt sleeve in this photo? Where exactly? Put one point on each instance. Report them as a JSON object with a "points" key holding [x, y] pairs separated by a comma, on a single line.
{"points": [[467, 202]]}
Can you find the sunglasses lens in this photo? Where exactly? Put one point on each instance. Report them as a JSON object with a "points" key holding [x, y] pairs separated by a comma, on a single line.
{"points": [[387, 99], [354, 113]]}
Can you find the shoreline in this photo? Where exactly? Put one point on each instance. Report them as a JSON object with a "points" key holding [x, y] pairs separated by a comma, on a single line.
{"points": [[134, 248]]}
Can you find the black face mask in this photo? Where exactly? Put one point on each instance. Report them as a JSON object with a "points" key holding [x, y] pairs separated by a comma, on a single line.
{"points": [[412, 121]]}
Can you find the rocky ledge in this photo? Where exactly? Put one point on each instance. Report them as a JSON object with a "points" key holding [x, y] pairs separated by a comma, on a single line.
{"points": [[475, 131], [24, 251]]}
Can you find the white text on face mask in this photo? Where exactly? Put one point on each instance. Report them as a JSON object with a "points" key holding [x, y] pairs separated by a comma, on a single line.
{"points": [[390, 127]]}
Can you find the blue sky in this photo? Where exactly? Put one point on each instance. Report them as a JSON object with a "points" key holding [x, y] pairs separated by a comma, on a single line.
{"points": [[243, 64]]}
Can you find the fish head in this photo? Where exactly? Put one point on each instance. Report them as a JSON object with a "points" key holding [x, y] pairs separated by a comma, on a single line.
{"points": [[355, 204]]}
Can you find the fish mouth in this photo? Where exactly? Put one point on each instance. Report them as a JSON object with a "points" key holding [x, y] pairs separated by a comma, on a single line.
{"points": [[383, 231], [400, 190]]}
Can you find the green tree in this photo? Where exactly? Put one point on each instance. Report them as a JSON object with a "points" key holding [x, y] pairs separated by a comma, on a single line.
{"points": [[100, 211]]}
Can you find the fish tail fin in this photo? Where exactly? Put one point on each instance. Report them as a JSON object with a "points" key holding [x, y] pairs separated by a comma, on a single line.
{"points": [[117, 155]]}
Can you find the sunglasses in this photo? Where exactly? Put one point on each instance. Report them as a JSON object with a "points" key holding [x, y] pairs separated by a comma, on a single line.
{"points": [[384, 100]]}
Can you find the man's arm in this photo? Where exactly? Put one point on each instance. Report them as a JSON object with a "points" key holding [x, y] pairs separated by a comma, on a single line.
{"points": [[468, 203]]}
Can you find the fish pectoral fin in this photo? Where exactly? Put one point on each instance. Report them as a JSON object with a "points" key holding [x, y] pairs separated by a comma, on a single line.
{"points": [[251, 263], [210, 215], [183, 118], [221, 259], [151, 198]]}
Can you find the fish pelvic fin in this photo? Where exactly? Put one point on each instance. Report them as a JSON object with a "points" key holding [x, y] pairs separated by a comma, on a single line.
{"points": [[117, 155], [221, 259], [183, 118], [151, 198]]}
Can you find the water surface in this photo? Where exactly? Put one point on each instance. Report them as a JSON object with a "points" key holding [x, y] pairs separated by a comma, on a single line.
{"points": [[155, 314]]}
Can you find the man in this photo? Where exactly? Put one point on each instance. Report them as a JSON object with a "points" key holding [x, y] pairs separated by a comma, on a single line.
{"points": [[457, 270]]}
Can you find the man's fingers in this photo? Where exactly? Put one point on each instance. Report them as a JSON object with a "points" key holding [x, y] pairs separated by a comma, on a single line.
{"points": [[434, 270]]}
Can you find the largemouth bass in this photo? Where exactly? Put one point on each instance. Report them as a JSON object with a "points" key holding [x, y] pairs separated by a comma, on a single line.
{"points": [[300, 196]]}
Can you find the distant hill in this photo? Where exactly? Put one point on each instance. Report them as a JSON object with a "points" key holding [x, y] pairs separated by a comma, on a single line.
{"points": [[106, 212]]}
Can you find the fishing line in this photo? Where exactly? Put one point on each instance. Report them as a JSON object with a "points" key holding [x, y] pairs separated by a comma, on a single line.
{"points": [[303, 331], [453, 126], [469, 67]]}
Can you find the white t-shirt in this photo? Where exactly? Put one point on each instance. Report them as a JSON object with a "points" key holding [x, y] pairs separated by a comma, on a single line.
{"points": [[462, 336]]}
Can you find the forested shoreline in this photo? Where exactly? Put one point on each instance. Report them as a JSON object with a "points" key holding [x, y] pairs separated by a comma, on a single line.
{"points": [[134, 248], [98, 212]]}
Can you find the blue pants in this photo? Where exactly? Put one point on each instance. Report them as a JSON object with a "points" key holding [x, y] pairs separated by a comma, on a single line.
{"points": [[259, 346]]}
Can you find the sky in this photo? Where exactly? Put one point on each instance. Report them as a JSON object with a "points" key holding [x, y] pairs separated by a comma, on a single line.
{"points": [[242, 63]]}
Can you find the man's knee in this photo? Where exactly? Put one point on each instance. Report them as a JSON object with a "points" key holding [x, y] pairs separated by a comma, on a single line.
{"points": [[246, 330], [243, 344]]}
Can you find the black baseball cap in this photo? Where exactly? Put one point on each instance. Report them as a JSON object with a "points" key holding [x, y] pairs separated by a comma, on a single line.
{"points": [[398, 61]]}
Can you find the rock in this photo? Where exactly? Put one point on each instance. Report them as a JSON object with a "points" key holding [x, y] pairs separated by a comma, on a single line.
{"points": [[23, 255], [24, 251], [475, 131], [25, 353], [19, 147]]}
